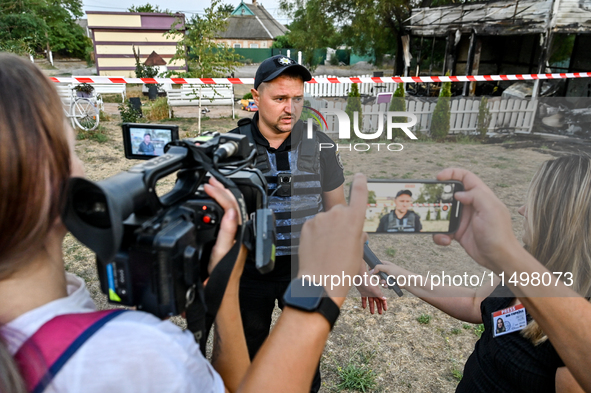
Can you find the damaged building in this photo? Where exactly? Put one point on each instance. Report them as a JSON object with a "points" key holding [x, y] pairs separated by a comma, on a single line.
{"points": [[506, 37]]}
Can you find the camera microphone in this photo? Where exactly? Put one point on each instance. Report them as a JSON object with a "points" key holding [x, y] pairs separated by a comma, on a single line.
{"points": [[226, 150]]}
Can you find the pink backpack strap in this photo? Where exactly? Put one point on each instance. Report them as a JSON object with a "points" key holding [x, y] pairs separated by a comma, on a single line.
{"points": [[42, 356]]}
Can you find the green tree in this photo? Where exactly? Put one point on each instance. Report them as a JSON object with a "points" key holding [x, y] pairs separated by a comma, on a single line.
{"points": [[428, 218], [371, 197], [148, 8], [226, 8], [354, 105], [438, 215], [32, 25], [312, 27], [282, 41], [369, 27], [205, 58], [441, 113]]}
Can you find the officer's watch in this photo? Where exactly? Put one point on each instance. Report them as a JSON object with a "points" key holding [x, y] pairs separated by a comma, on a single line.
{"points": [[301, 294]]}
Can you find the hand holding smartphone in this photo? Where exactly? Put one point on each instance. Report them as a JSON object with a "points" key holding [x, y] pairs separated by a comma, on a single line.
{"points": [[412, 206]]}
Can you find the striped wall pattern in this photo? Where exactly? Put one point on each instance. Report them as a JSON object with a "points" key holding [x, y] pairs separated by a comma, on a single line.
{"points": [[115, 33]]}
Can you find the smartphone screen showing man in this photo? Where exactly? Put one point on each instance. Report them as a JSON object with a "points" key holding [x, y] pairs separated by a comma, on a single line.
{"points": [[407, 206]]}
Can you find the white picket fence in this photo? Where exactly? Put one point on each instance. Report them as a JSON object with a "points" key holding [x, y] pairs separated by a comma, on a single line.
{"points": [[342, 89], [507, 115]]}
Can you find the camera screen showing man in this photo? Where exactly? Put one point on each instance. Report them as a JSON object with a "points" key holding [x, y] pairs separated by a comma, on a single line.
{"points": [[401, 219], [147, 141], [146, 146]]}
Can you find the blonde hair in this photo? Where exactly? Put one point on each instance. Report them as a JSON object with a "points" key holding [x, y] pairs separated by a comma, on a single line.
{"points": [[559, 221]]}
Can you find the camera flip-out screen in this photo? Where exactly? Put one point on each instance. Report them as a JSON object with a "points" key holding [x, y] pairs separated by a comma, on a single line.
{"points": [[145, 141]]}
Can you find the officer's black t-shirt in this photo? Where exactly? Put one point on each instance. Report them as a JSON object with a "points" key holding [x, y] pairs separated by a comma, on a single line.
{"points": [[330, 167]]}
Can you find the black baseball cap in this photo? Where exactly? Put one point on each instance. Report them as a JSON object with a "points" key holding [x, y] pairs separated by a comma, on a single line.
{"points": [[277, 65], [404, 192]]}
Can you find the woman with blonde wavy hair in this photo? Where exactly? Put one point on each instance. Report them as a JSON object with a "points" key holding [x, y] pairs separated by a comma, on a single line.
{"points": [[557, 232]]}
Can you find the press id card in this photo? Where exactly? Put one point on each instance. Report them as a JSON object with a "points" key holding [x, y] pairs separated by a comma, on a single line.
{"points": [[509, 320]]}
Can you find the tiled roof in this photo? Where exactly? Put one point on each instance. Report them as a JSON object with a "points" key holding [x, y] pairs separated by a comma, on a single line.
{"points": [[260, 26]]}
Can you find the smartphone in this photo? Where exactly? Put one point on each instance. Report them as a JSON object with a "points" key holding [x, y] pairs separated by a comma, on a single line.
{"points": [[412, 206], [146, 141]]}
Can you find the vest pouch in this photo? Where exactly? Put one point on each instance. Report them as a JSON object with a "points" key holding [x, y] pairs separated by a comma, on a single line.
{"points": [[284, 184]]}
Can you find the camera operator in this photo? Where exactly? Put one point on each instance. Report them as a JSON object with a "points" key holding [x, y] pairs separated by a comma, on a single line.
{"points": [[303, 181], [132, 352]]}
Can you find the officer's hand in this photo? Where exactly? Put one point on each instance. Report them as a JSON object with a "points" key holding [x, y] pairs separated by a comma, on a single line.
{"points": [[332, 242], [379, 303], [371, 295], [228, 226], [485, 229]]}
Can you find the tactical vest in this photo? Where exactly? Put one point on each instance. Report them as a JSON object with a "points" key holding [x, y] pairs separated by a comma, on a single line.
{"points": [[406, 224], [295, 188]]}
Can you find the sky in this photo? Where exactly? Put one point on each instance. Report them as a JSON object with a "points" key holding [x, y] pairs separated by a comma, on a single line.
{"points": [[188, 7]]}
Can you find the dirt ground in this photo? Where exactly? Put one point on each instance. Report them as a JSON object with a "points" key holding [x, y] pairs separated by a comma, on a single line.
{"points": [[399, 353]]}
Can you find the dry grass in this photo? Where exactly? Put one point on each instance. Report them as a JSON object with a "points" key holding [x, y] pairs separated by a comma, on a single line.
{"points": [[404, 354]]}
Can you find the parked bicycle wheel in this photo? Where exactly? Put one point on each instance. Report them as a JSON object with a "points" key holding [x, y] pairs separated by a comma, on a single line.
{"points": [[85, 114]]}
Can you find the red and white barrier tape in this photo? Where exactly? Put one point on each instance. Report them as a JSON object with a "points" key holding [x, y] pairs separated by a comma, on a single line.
{"points": [[383, 79]]}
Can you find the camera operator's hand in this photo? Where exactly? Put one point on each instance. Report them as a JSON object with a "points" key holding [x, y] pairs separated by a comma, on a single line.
{"points": [[332, 242], [485, 229], [229, 224], [230, 354]]}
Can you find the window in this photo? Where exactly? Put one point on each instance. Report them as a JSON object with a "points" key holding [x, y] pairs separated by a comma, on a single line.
{"points": [[254, 45], [237, 46], [263, 44]]}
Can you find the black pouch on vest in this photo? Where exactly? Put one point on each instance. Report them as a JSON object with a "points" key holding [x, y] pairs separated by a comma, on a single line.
{"points": [[284, 184]]}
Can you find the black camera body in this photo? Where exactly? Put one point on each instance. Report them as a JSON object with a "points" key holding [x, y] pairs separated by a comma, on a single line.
{"points": [[153, 252]]}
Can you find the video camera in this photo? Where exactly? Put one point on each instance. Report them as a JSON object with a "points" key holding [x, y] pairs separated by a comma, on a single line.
{"points": [[152, 252]]}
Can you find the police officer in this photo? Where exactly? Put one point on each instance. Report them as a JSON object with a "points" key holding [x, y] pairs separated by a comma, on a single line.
{"points": [[303, 181], [401, 219]]}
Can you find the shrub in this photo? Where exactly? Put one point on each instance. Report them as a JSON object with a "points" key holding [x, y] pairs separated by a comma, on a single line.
{"points": [[483, 117], [438, 217], [334, 60], [157, 110], [428, 218], [398, 104], [128, 113], [441, 115], [354, 105], [247, 96]]}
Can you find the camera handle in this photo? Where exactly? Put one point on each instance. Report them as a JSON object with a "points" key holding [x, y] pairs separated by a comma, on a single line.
{"points": [[372, 261], [199, 322]]}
